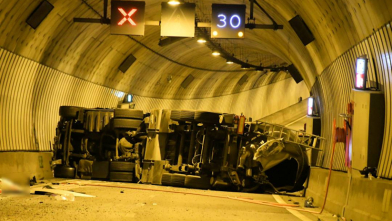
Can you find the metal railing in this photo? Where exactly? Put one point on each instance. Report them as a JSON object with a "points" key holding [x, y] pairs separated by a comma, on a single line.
{"points": [[277, 131]]}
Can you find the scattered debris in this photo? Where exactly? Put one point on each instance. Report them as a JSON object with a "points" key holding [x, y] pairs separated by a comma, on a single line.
{"points": [[59, 192], [47, 187], [55, 183], [296, 203], [33, 181], [309, 202], [63, 197], [122, 191]]}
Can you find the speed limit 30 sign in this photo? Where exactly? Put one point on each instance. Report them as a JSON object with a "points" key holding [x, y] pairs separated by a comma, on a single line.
{"points": [[228, 21]]}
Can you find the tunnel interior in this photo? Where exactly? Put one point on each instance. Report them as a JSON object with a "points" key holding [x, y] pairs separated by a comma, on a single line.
{"points": [[81, 100]]}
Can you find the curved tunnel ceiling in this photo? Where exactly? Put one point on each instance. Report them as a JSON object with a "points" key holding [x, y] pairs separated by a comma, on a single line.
{"points": [[88, 51]]}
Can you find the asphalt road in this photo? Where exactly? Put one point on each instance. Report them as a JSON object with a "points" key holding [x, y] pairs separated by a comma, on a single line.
{"points": [[113, 203]]}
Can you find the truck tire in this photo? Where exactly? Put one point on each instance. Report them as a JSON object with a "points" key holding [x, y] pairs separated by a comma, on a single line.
{"points": [[122, 166], [121, 176], [175, 115], [128, 113], [182, 115], [70, 112], [63, 171], [100, 170], [207, 117], [172, 179], [197, 182], [120, 123]]}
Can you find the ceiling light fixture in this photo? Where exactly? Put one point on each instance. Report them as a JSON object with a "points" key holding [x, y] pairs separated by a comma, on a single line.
{"points": [[244, 67], [215, 53], [229, 62], [174, 2], [201, 40]]}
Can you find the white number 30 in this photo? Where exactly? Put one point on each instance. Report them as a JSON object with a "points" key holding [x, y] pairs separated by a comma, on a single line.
{"points": [[223, 20]]}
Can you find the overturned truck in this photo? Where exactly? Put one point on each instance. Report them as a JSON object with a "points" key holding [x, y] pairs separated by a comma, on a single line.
{"points": [[185, 148]]}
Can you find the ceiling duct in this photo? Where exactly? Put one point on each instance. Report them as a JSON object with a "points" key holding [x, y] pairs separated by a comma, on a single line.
{"points": [[39, 14], [243, 79], [188, 80], [302, 30], [126, 64], [293, 71]]}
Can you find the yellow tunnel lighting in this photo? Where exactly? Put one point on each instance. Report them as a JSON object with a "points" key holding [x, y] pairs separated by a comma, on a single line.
{"points": [[201, 40], [174, 2], [215, 53]]}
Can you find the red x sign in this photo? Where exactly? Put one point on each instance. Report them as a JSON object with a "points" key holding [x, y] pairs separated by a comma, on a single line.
{"points": [[127, 17]]}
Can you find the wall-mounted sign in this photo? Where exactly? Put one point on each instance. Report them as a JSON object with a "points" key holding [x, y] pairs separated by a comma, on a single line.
{"points": [[128, 98], [127, 18], [178, 20], [361, 67], [310, 106], [228, 21]]}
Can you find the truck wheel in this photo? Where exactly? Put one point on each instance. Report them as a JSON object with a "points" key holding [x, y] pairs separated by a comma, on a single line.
{"points": [[121, 176], [197, 182], [182, 115], [63, 171], [70, 112], [100, 170], [207, 117], [122, 166], [128, 113], [172, 179], [126, 123]]}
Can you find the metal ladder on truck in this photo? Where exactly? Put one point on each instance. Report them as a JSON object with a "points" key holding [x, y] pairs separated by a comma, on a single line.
{"points": [[277, 131]]}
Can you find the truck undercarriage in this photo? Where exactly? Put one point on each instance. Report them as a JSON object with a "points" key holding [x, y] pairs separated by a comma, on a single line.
{"points": [[187, 148]]}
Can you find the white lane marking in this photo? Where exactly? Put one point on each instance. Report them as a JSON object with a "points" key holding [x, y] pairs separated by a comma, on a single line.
{"points": [[386, 199], [294, 212]]}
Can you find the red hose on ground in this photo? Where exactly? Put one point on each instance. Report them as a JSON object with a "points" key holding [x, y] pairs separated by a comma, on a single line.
{"points": [[267, 203]]}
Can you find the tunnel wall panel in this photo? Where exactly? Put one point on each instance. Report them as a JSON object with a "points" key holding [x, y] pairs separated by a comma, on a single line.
{"points": [[30, 97], [333, 88], [255, 103]]}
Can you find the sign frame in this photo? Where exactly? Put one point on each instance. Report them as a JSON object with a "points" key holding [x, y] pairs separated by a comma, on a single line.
{"points": [[361, 74], [228, 21], [185, 13], [127, 18]]}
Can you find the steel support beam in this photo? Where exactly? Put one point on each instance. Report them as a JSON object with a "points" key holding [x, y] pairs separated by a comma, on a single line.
{"points": [[262, 26]]}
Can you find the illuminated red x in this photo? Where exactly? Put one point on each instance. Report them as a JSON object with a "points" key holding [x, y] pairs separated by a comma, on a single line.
{"points": [[127, 17]]}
